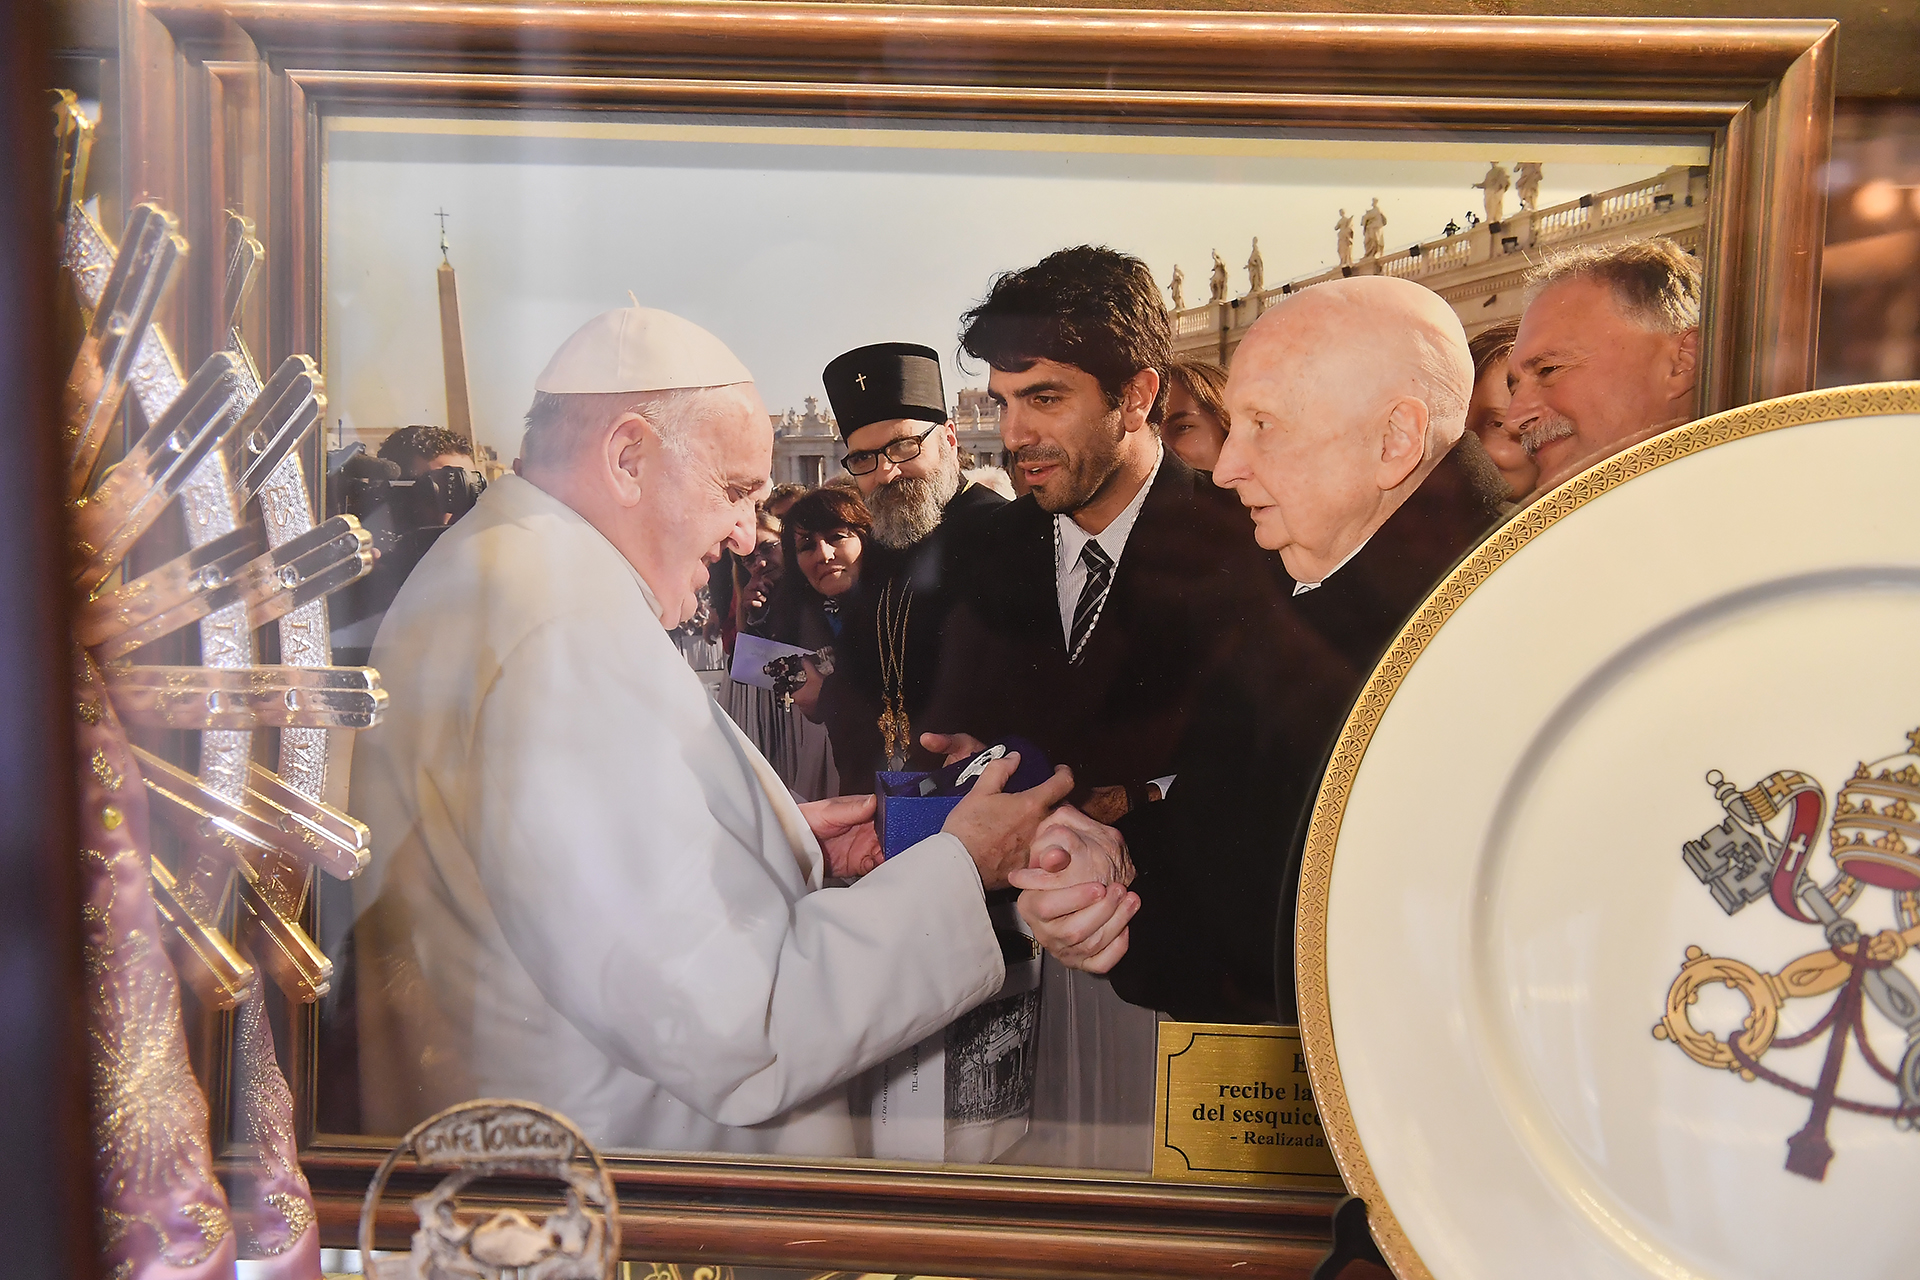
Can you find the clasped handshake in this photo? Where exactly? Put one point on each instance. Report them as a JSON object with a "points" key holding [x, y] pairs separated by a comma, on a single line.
{"points": [[1072, 872]]}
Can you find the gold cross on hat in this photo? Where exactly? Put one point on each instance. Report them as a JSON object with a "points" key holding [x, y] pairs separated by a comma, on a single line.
{"points": [[860, 380], [1913, 740]]}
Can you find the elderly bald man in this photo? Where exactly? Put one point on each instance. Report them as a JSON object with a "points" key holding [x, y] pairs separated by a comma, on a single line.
{"points": [[1608, 353], [1348, 446], [588, 889]]}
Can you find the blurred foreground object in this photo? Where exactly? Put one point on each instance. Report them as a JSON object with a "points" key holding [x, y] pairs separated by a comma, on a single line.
{"points": [[487, 1138], [192, 455]]}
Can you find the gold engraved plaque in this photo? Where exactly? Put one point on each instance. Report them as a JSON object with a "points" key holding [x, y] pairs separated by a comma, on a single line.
{"points": [[1233, 1104]]}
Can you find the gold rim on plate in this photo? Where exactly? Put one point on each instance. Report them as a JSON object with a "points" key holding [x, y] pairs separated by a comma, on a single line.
{"points": [[1316, 872]]}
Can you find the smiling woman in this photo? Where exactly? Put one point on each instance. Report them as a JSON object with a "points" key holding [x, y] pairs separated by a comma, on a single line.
{"points": [[825, 534]]}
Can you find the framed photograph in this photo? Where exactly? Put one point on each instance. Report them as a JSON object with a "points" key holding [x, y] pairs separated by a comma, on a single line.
{"points": [[804, 179]]}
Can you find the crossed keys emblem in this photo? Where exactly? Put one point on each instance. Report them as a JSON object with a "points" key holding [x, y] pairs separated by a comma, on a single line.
{"points": [[1874, 840]]}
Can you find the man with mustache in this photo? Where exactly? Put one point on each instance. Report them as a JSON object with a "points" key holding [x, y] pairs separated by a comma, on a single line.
{"points": [[903, 453], [1348, 405], [1607, 355], [1093, 611]]}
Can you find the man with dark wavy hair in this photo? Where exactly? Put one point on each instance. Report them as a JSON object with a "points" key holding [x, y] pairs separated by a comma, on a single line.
{"points": [[1093, 611], [1080, 333]]}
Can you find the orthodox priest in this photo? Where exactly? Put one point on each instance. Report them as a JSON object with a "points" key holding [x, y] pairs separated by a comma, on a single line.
{"points": [[904, 454], [588, 889]]}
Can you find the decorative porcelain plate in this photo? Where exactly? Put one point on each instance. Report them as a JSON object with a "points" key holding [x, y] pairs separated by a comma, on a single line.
{"points": [[1606, 917]]}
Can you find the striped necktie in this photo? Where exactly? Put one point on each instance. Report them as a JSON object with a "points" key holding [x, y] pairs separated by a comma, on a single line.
{"points": [[1093, 598]]}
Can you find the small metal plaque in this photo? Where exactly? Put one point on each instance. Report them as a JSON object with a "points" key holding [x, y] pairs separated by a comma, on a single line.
{"points": [[472, 1238], [482, 1137], [1233, 1104]]}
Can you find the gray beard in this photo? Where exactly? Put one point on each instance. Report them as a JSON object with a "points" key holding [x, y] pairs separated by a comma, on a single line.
{"points": [[1549, 428], [910, 508]]}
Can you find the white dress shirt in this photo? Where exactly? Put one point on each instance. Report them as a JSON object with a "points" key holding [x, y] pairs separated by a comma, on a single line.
{"points": [[1301, 588], [1069, 574]]}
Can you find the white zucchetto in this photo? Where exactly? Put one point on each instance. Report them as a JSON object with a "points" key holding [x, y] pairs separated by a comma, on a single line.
{"points": [[639, 349]]}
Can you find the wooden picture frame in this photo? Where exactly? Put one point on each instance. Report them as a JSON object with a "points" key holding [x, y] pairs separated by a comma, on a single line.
{"points": [[222, 103]]}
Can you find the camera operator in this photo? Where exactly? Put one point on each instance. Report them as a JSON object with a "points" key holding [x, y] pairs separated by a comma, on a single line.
{"points": [[423, 480]]}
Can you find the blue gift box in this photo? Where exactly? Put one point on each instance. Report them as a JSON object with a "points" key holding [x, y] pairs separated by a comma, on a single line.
{"points": [[904, 821]]}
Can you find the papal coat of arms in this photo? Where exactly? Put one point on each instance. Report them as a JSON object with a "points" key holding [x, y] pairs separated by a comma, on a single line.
{"points": [[1762, 851]]}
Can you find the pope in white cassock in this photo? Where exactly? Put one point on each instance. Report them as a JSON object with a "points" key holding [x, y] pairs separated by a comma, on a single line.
{"points": [[588, 889]]}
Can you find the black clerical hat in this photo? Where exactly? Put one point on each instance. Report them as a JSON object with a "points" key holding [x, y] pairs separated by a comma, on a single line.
{"points": [[885, 381]]}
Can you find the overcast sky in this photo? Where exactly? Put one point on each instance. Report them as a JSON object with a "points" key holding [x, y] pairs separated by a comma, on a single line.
{"points": [[795, 244]]}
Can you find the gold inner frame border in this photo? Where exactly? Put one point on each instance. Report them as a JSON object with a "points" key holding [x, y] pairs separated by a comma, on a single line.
{"points": [[1323, 835]]}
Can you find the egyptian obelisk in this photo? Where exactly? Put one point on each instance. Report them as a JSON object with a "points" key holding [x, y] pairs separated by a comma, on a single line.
{"points": [[453, 353]]}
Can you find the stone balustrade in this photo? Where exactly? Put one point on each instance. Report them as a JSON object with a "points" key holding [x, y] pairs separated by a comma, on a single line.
{"points": [[1480, 270]]}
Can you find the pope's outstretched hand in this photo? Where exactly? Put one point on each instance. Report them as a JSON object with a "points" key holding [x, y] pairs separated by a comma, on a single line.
{"points": [[844, 828], [1074, 891], [998, 827]]}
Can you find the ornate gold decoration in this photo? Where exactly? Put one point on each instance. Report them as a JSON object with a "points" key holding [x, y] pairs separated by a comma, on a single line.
{"points": [[273, 1207], [1873, 842], [1316, 1020], [891, 617], [110, 778], [209, 1222], [1763, 992], [148, 1112], [218, 440], [298, 1214]]}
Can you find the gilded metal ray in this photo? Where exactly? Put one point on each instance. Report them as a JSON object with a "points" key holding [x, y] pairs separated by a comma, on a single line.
{"points": [[263, 697], [317, 834], [122, 312], [111, 611], [270, 897], [73, 148], [133, 493], [280, 416], [206, 961], [244, 256], [233, 569]]}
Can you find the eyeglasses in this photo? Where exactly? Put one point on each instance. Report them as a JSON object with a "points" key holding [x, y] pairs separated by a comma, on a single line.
{"points": [[905, 449]]}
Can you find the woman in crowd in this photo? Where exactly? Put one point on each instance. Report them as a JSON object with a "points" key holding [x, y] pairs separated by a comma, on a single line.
{"points": [[822, 538], [1195, 426], [825, 533], [1487, 411]]}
